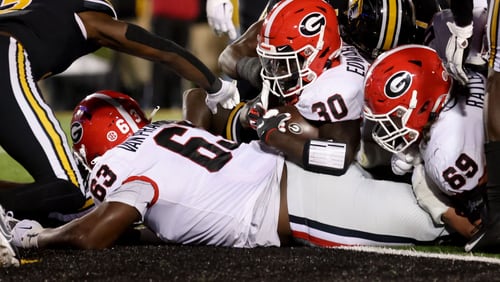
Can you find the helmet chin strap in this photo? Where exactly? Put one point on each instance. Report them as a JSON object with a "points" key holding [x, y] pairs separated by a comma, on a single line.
{"points": [[81, 160]]}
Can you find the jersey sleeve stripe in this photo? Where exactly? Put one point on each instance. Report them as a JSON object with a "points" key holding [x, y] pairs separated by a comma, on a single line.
{"points": [[147, 180]]}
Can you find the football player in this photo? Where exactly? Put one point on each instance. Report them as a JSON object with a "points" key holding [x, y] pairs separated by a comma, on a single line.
{"points": [[239, 59], [375, 26], [192, 187], [432, 126], [41, 38], [305, 64]]}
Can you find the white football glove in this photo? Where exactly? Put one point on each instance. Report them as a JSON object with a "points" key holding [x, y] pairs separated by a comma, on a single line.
{"points": [[455, 50], [402, 163], [228, 96], [426, 199], [220, 17], [25, 234]]}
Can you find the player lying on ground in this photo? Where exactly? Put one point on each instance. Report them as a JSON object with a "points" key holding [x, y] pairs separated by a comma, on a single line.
{"points": [[434, 130], [192, 187], [39, 39]]}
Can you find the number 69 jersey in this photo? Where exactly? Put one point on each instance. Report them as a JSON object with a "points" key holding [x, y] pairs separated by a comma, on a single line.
{"points": [[454, 156], [192, 187]]}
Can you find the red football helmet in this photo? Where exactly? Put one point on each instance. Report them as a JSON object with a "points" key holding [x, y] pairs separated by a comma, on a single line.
{"points": [[103, 120], [404, 89], [297, 41]]}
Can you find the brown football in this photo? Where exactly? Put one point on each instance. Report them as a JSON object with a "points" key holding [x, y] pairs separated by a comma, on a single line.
{"points": [[297, 125]]}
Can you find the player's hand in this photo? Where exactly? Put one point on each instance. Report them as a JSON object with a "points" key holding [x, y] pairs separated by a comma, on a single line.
{"points": [[403, 162], [228, 96], [220, 17], [25, 233], [271, 121], [258, 106], [458, 42]]}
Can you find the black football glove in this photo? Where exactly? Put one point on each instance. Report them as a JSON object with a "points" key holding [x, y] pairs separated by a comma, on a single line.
{"points": [[258, 106], [271, 121], [255, 112]]}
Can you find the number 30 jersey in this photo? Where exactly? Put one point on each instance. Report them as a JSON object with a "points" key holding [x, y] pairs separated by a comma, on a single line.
{"points": [[337, 94], [192, 187]]}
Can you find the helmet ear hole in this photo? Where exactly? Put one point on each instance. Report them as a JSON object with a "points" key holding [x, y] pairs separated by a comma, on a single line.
{"points": [[425, 107]]}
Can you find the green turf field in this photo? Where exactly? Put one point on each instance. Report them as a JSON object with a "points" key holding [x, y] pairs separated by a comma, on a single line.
{"points": [[11, 170]]}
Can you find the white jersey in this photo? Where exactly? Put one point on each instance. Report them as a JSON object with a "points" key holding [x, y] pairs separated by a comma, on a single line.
{"points": [[454, 156], [337, 94], [192, 187]]}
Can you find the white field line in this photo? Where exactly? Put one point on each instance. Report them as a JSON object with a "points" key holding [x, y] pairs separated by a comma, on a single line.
{"points": [[414, 253]]}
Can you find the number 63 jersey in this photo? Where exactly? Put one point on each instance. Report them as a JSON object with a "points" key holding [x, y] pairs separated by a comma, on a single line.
{"points": [[192, 187]]}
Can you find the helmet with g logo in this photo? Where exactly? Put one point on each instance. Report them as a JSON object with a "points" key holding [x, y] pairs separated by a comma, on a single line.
{"points": [[297, 41], [404, 89], [103, 120]]}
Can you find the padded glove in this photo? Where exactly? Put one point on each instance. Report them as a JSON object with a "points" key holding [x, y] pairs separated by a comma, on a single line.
{"points": [[220, 17], [258, 106], [271, 121], [457, 43], [228, 96], [403, 162]]}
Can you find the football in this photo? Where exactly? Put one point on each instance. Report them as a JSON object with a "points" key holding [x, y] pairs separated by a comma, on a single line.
{"points": [[298, 125]]}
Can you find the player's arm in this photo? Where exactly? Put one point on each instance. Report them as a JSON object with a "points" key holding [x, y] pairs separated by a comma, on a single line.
{"points": [[134, 40], [239, 59], [459, 223], [329, 149], [96, 230]]}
